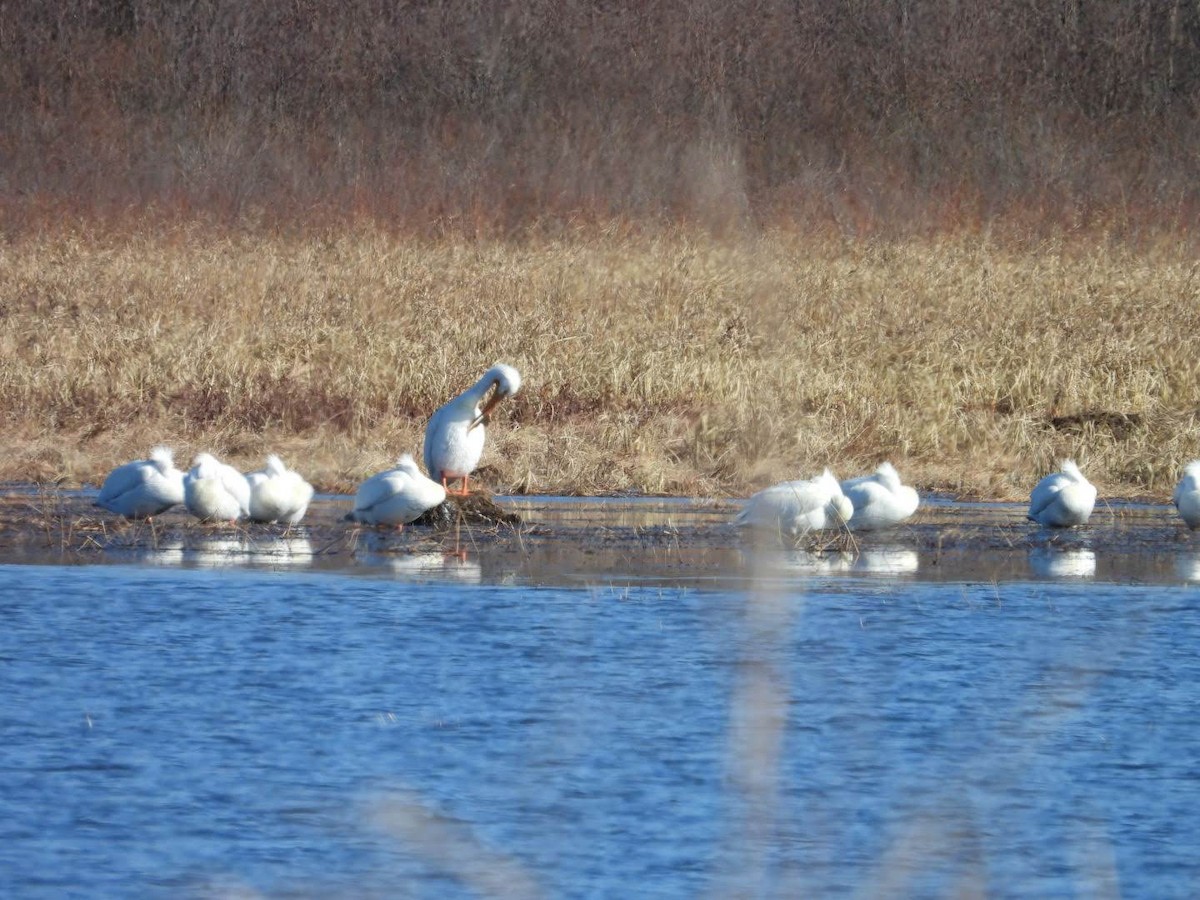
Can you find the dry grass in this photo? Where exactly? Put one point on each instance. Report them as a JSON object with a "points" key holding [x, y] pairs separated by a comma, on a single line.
{"points": [[669, 363], [229, 294]]}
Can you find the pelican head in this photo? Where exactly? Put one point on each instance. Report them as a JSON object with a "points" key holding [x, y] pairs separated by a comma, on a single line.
{"points": [[829, 481], [163, 459], [506, 380], [204, 463], [888, 476], [407, 464], [1072, 471]]}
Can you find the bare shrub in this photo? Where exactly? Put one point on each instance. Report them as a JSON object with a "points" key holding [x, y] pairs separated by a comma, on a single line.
{"points": [[859, 116]]}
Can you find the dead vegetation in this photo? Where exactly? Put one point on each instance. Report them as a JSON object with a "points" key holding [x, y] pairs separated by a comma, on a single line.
{"points": [[675, 363], [877, 117], [725, 243]]}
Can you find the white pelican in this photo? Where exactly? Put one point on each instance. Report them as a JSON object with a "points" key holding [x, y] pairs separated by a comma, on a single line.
{"points": [[1187, 495], [1063, 499], [144, 488], [795, 507], [880, 500], [456, 431], [397, 496], [214, 491], [277, 494]]}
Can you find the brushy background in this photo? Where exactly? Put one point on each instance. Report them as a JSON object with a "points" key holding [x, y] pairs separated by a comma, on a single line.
{"points": [[726, 242]]}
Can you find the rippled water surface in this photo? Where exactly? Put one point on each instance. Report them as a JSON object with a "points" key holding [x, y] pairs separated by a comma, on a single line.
{"points": [[178, 731]]}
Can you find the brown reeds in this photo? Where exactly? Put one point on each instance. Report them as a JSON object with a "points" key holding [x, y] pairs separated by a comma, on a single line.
{"points": [[675, 363], [725, 243], [865, 118]]}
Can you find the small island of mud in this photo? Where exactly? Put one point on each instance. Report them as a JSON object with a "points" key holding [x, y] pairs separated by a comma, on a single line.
{"points": [[544, 539]]}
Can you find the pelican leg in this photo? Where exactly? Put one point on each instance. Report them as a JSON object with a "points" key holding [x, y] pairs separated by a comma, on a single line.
{"points": [[461, 492]]}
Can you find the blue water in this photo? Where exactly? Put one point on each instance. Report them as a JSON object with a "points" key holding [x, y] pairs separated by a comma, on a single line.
{"points": [[174, 732]]}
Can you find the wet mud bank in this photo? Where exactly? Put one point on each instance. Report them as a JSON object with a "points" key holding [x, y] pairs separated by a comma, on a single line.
{"points": [[554, 540]]}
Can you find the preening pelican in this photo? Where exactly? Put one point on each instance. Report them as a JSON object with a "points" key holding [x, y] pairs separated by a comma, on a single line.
{"points": [[277, 494], [397, 496], [144, 488], [1063, 499], [795, 507], [1187, 495], [455, 435], [214, 491], [880, 500]]}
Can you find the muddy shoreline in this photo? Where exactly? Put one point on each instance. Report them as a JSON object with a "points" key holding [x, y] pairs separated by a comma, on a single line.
{"points": [[556, 539]]}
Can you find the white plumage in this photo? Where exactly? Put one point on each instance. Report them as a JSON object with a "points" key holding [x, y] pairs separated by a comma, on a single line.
{"points": [[1063, 499], [143, 488], [397, 496], [795, 507], [1187, 495], [456, 432], [278, 494], [214, 491], [880, 500]]}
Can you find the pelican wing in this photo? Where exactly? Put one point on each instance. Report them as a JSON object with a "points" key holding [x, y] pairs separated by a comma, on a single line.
{"points": [[865, 492], [1045, 492], [279, 497], [376, 490], [878, 506], [395, 497], [783, 505], [236, 485], [131, 476]]}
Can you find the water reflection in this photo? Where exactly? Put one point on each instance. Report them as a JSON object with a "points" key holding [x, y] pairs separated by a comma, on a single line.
{"points": [[285, 551], [1188, 567], [887, 562], [223, 551], [1074, 563], [427, 566], [809, 563]]}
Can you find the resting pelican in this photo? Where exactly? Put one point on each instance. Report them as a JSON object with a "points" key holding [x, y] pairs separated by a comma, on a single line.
{"points": [[1187, 495], [397, 496], [880, 500], [455, 435], [144, 488], [214, 491], [277, 494], [1063, 499], [795, 507]]}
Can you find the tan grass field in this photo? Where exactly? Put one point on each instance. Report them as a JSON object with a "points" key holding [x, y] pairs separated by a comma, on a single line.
{"points": [[672, 363]]}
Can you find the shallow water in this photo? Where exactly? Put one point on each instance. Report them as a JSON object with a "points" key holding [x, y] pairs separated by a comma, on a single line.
{"points": [[662, 541], [615, 723]]}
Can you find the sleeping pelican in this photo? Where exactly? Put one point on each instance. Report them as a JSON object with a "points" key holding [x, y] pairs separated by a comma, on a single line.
{"points": [[454, 438], [214, 491], [1187, 495], [795, 507], [397, 496], [277, 494], [1063, 499], [144, 488], [880, 500]]}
